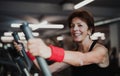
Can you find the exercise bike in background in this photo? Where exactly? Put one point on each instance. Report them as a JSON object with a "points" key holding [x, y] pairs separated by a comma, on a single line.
{"points": [[13, 64]]}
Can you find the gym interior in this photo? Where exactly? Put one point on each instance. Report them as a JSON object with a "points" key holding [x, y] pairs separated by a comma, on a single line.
{"points": [[48, 20]]}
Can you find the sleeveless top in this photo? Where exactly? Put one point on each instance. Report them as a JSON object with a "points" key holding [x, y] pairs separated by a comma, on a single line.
{"points": [[92, 69]]}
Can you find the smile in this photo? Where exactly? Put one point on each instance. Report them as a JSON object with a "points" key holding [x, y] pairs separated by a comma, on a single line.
{"points": [[77, 34]]}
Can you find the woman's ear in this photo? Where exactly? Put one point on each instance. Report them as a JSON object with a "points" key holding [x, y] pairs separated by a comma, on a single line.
{"points": [[89, 32]]}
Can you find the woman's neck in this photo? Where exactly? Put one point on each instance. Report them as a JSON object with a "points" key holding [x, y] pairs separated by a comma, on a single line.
{"points": [[84, 46]]}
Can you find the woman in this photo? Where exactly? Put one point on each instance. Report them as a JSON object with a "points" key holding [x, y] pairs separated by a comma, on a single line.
{"points": [[87, 53]]}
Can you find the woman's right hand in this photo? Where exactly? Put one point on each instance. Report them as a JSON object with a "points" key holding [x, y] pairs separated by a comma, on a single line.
{"points": [[37, 47], [17, 46]]}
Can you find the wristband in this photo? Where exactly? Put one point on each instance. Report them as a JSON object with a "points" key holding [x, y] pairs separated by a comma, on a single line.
{"points": [[57, 54], [30, 56]]}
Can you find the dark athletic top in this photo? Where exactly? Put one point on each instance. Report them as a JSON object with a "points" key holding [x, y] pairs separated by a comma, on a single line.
{"points": [[91, 70]]}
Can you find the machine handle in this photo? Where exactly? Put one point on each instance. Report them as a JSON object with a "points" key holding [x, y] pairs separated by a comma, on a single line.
{"points": [[42, 62]]}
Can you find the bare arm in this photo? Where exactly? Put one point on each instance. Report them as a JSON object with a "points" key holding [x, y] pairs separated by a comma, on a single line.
{"points": [[57, 67], [97, 55]]}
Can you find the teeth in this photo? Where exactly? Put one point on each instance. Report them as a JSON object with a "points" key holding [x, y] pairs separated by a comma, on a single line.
{"points": [[77, 34]]}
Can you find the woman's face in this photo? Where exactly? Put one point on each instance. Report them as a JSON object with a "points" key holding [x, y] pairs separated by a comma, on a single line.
{"points": [[79, 29]]}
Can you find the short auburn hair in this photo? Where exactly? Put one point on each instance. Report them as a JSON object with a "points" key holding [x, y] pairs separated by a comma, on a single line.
{"points": [[85, 16]]}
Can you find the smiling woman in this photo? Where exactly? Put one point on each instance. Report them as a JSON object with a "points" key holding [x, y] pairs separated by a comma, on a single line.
{"points": [[88, 52]]}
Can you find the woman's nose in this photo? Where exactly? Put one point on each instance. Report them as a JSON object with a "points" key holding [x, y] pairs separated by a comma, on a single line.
{"points": [[76, 28]]}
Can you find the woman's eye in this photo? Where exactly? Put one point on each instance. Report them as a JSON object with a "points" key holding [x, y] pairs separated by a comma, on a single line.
{"points": [[79, 25], [73, 25]]}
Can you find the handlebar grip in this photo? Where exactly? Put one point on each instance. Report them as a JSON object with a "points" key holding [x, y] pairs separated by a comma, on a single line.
{"points": [[16, 38], [27, 31], [42, 63]]}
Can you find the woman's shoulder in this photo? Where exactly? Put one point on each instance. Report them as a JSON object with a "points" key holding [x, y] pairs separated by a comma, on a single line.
{"points": [[104, 52], [101, 47]]}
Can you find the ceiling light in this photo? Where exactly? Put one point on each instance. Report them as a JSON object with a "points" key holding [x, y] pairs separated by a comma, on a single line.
{"points": [[43, 26], [83, 3], [6, 39], [10, 39], [107, 21], [47, 26], [60, 38], [20, 33]]}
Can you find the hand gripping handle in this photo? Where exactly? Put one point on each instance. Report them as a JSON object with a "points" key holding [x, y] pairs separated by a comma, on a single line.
{"points": [[16, 38], [42, 63]]}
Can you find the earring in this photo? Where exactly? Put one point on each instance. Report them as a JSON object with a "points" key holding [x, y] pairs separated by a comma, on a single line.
{"points": [[89, 34]]}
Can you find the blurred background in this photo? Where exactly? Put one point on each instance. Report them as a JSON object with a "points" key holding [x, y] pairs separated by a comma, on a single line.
{"points": [[45, 14]]}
